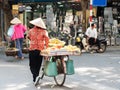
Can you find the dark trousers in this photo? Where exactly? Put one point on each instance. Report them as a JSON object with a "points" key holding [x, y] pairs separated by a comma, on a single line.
{"points": [[91, 41], [35, 61]]}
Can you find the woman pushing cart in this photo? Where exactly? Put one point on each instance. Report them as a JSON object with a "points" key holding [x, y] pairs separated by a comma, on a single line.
{"points": [[56, 55]]}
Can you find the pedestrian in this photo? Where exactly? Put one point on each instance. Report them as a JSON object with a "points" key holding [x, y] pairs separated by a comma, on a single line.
{"points": [[91, 33], [39, 39], [18, 36]]}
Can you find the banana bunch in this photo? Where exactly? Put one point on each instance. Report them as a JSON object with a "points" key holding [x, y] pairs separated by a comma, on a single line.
{"points": [[56, 42], [72, 48]]}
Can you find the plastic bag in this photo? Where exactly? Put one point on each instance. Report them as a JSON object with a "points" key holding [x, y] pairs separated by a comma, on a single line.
{"points": [[70, 67], [10, 31], [50, 68]]}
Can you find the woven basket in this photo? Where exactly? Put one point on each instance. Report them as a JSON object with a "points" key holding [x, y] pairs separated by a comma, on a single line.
{"points": [[25, 50], [11, 52]]}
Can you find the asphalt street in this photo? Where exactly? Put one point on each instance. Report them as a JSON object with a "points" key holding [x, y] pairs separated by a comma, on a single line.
{"points": [[92, 72]]}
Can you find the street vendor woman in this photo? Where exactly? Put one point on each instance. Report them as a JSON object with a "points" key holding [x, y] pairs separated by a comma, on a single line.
{"points": [[38, 41]]}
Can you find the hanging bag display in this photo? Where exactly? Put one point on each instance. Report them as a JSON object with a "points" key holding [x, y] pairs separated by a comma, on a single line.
{"points": [[50, 68], [70, 67]]}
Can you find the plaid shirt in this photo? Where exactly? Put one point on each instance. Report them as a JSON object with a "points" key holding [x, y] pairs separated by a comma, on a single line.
{"points": [[38, 39]]}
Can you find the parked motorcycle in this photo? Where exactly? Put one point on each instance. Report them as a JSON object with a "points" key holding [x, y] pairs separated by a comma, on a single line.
{"points": [[103, 45], [81, 42]]}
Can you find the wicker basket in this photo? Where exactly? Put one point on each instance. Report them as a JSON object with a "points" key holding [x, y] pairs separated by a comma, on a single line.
{"points": [[25, 50], [11, 52]]}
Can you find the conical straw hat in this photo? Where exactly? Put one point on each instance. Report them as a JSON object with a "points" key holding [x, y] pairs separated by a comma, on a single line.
{"points": [[15, 21], [38, 22]]}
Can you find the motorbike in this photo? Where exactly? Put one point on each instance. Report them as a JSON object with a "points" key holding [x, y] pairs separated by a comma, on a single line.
{"points": [[103, 45], [81, 42]]}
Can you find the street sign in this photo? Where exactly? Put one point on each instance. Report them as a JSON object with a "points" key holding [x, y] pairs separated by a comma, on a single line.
{"points": [[99, 2]]}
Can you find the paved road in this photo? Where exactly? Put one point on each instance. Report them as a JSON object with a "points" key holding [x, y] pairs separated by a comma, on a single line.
{"points": [[92, 72]]}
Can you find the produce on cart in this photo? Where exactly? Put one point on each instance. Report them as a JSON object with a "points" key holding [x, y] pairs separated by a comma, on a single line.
{"points": [[58, 47]]}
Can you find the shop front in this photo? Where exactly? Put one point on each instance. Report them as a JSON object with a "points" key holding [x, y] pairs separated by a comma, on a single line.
{"points": [[59, 15], [110, 19], [49, 10]]}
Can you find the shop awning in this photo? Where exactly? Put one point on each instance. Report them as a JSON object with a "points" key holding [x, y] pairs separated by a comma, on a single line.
{"points": [[31, 1]]}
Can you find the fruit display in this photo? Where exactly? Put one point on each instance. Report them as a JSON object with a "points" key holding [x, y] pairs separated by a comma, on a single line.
{"points": [[56, 42], [71, 48], [57, 46]]}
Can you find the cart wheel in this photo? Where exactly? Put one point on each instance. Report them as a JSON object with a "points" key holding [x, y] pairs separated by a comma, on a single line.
{"points": [[60, 78]]}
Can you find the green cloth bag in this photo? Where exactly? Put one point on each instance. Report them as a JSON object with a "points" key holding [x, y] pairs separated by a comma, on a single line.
{"points": [[50, 69], [70, 67]]}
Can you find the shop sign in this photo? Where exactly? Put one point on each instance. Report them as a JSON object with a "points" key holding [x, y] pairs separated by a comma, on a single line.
{"points": [[15, 7], [99, 2], [14, 12]]}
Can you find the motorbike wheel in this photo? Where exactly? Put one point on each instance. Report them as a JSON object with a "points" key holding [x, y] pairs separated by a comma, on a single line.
{"points": [[103, 48]]}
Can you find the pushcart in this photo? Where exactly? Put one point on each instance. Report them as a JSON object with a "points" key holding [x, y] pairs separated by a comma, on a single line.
{"points": [[60, 58]]}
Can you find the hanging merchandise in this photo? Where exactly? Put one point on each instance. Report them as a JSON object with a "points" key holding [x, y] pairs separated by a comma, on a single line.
{"points": [[100, 25], [49, 16], [69, 17]]}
